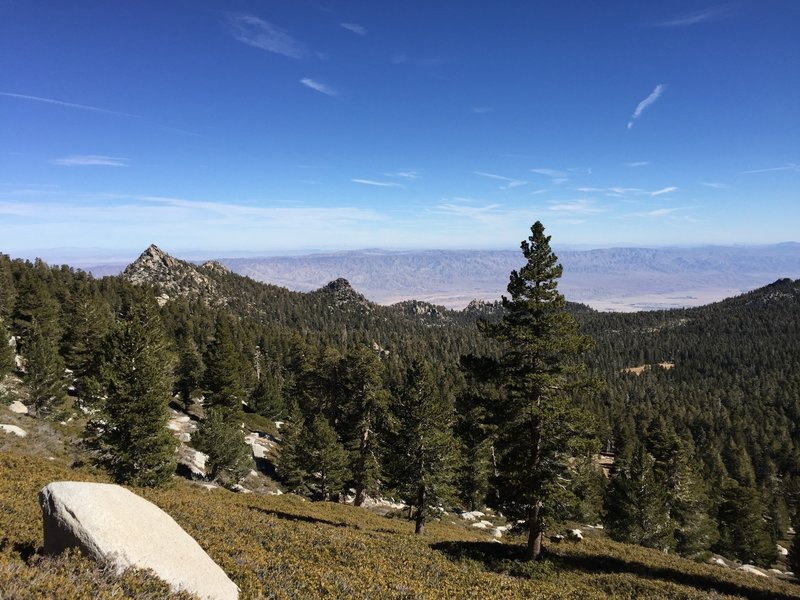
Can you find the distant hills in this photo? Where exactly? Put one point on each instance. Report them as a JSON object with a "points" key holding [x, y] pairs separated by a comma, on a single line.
{"points": [[617, 279]]}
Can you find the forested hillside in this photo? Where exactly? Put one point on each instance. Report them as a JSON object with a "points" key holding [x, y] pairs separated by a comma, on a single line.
{"points": [[704, 442]]}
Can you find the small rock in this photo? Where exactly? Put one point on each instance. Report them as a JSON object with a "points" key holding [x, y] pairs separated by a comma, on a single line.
{"points": [[782, 551], [575, 534], [18, 407], [472, 515], [557, 538], [719, 561], [753, 570], [18, 431]]}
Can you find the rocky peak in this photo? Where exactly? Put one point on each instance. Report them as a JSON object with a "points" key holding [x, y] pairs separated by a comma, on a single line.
{"points": [[215, 267], [170, 276], [340, 285], [153, 258], [344, 294]]}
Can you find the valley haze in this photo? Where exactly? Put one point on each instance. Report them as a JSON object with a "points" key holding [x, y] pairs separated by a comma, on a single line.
{"points": [[610, 279]]}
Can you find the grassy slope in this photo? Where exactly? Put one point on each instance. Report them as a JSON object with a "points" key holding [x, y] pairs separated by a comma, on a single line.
{"points": [[284, 547]]}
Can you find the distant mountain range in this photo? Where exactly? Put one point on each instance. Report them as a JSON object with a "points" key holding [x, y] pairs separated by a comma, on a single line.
{"points": [[621, 279]]}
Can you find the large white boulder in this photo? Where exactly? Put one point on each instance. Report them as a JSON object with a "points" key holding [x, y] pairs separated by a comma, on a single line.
{"points": [[19, 431], [110, 523]]}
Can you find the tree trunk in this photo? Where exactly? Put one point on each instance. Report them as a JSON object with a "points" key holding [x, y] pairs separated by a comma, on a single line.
{"points": [[535, 532], [361, 468], [420, 527]]}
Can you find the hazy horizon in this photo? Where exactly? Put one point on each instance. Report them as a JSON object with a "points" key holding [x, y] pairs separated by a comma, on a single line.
{"points": [[81, 256]]}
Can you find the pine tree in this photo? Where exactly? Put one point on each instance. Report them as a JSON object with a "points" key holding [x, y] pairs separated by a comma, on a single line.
{"points": [[687, 498], [44, 371], [539, 426], [743, 529], [88, 320], [140, 450], [637, 509], [8, 292], [475, 433], [222, 378], [6, 351], [367, 403], [35, 302], [312, 459], [794, 554], [229, 457], [267, 397], [190, 370], [423, 451]]}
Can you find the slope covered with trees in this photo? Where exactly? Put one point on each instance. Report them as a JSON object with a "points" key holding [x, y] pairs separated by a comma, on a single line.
{"points": [[712, 432]]}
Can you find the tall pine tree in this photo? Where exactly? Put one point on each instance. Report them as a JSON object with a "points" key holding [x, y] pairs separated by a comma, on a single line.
{"points": [[540, 426], [637, 508], [223, 383], [44, 371], [140, 450], [424, 451], [367, 402]]}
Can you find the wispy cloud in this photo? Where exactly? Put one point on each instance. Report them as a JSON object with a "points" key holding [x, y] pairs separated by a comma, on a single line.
{"points": [[662, 191], [398, 58], [403, 174], [715, 185], [355, 28], [576, 207], [697, 16], [480, 110], [258, 33], [377, 183], [550, 172], [69, 104], [658, 213], [123, 208], [510, 182], [787, 167], [468, 208], [640, 108], [318, 86], [626, 192], [90, 160], [637, 163]]}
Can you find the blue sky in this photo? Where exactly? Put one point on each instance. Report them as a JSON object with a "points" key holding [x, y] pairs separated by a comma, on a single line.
{"points": [[284, 126]]}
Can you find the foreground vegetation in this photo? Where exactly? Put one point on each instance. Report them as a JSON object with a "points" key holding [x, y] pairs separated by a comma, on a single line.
{"points": [[286, 547]]}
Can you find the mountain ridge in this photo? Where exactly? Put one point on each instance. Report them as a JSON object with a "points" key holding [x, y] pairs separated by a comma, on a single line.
{"points": [[618, 279]]}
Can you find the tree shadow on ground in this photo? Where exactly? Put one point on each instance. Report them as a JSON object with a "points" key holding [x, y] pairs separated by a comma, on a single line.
{"points": [[301, 518], [507, 559]]}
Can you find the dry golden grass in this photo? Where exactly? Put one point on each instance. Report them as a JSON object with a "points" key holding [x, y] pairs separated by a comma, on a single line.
{"points": [[285, 547]]}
